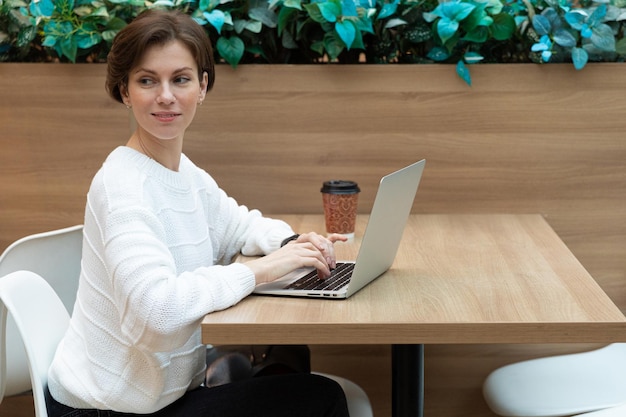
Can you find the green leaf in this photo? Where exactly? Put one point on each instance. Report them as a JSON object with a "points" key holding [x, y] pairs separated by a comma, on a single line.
{"points": [[438, 54], [287, 41], [285, 16], [503, 27], [620, 46], [494, 7], [314, 12], [358, 41], [579, 58], [463, 71], [392, 23], [330, 10], [418, 34], [264, 15], [446, 28], [83, 10], [42, 8], [542, 25], [456, 10], [231, 49], [69, 47], [116, 24], [602, 38], [49, 41], [473, 20], [564, 38], [216, 18], [206, 5], [253, 26], [472, 57], [293, 4], [25, 36], [451, 14], [388, 9], [346, 31], [19, 19], [348, 8], [364, 24], [479, 35], [109, 35], [318, 47], [89, 40], [100, 12], [333, 45]]}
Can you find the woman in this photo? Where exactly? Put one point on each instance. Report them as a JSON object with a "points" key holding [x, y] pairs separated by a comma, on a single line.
{"points": [[158, 239]]}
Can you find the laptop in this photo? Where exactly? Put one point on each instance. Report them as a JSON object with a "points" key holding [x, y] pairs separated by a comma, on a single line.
{"points": [[392, 206]]}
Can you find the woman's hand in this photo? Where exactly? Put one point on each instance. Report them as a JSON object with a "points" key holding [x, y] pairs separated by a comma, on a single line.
{"points": [[309, 250]]}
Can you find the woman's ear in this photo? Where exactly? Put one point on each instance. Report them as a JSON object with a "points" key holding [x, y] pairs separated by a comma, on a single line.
{"points": [[124, 95], [204, 82]]}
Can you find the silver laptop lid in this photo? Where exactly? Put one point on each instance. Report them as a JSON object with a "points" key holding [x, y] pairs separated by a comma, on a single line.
{"points": [[390, 212]]}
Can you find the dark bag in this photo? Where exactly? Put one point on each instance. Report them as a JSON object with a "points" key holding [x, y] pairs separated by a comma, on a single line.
{"points": [[231, 363]]}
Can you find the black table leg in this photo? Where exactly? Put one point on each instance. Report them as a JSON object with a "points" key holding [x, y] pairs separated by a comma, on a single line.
{"points": [[407, 380]]}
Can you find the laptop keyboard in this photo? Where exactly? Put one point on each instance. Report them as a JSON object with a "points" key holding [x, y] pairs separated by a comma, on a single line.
{"points": [[338, 278]]}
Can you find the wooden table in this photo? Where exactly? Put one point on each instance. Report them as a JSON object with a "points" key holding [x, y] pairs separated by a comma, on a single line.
{"points": [[456, 279]]}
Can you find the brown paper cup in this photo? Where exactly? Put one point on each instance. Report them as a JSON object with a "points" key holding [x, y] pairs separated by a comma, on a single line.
{"points": [[340, 200]]}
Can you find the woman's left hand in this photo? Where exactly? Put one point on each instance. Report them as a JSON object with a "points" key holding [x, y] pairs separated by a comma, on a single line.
{"points": [[324, 244], [308, 250]]}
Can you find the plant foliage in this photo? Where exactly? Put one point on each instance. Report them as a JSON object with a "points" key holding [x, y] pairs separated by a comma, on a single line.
{"points": [[460, 32]]}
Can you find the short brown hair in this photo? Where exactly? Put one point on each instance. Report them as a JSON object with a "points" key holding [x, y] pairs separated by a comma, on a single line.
{"points": [[156, 27]]}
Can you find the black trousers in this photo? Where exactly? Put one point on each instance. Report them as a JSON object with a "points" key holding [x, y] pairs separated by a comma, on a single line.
{"points": [[291, 395]]}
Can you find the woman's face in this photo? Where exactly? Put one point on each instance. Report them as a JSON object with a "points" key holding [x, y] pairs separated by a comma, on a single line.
{"points": [[164, 91]]}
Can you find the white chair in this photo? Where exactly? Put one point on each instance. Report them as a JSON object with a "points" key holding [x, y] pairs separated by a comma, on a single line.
{"points": [[619, 411], [54, 255], [562, 385], [41, 320], [358, 402]]}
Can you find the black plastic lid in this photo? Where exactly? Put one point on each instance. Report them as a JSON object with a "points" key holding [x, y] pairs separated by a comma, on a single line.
{"points": [[340, 187]]}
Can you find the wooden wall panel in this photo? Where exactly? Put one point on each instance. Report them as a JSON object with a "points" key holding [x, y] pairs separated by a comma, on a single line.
{"points": [[524, 138], [56, 125]]}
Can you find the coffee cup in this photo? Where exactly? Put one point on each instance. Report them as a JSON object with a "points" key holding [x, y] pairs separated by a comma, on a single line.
{"points": [[340, 199]]}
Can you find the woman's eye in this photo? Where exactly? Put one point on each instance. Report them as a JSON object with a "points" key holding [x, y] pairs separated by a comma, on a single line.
{"points": [[182, 80], [145, 81]]}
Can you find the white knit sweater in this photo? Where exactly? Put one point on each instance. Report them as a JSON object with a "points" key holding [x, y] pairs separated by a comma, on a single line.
{"points": [[156, 258]]}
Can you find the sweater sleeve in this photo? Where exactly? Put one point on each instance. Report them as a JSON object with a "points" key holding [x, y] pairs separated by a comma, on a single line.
{"points": [[238, 229], [164, 242], [160, 307]]}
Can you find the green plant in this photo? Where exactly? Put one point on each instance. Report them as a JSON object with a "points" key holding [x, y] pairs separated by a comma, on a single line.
{"points": [[578, 33], [17, 31], [461, 32]]}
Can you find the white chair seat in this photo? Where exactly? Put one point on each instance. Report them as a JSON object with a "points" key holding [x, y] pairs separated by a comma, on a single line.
{"points": [[619, 411], [562, 385], [41, 320], [358, 402]]}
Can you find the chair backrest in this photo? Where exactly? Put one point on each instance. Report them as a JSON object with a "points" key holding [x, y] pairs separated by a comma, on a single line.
{"points": [[54, 255], [41, 320]]}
